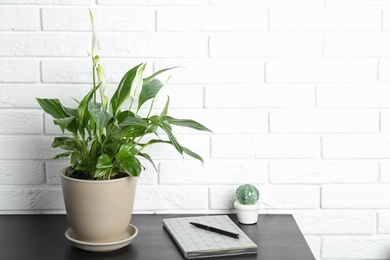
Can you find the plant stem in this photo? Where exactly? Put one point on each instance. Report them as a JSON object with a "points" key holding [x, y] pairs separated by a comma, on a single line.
{"points": [[94, 83]]}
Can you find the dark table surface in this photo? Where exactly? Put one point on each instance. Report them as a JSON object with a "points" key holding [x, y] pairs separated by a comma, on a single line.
{"points": [[42, 237]]}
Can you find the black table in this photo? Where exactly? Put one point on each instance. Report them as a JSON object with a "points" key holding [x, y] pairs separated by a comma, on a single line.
{"points": [[42, 237]]}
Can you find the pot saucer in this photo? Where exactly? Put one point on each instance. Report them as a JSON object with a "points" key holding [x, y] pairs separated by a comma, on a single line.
{"points": [[130, 234]]}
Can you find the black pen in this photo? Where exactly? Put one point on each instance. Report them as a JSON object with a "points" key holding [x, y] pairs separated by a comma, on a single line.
{"points": [[216, 230]]}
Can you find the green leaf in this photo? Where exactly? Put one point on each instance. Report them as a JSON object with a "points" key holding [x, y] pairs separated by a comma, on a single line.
{"points": [[123, 91], [192, 154], [167, 128], [75, 158], [100, 172], [131, 166], [133, 121], [157, 73], [165, 110], [66, 143], [186, 123], [126, 150], [103, 167], [146, 156], [83, 107], [104, 162], [62, 155], [64, 123], [149, 91], [69, 111], [52, 106], [100, 117]]}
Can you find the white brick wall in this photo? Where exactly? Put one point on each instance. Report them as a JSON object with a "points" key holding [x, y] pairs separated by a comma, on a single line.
{"points": [[295, 91]]}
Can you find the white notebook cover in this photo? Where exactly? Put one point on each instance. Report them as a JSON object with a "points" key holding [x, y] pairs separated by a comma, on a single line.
{"points": [[199, 243]]}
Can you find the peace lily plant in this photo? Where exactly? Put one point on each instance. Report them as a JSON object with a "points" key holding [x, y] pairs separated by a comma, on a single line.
{"points": [[106, 139]]}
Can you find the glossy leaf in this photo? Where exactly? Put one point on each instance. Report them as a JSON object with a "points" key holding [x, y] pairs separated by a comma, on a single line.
{"points": [[52, 106], [64, 123], [131, 166], [149, 91], [123, 91], [62, 155], [165, 110], [192, 154], [104, 162], [147, 157], [99, 116], [157, 73], [186, 123], [171, 137], [133, 121], [83, 107], [66, 143], [126, 150]]}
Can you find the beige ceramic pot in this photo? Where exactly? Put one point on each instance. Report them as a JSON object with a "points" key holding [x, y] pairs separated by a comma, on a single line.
{"points": [[98, 211]]}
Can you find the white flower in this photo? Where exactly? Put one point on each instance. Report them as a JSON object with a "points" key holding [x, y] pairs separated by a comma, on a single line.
{"points": [[137, 83], [103, 85], [95, 41]]}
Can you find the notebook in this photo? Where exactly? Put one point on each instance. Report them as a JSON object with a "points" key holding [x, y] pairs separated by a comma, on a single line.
{"points": [[199, 243]]}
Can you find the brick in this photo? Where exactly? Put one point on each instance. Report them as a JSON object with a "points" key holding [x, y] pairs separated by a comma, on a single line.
{"points": [[53, 171], [154, 45], [385, 121], [386, 20], [325, 19], [271, 197], [357, 44], [384, 222], [25, 71], [20, 122], [21, 96], [356, 196], [79, 71], [352, 96], [170, 198], [181, 96], [212, 19], [21, 173], [200, 144], [51, 2], [252, 96], [359, 247], [289, 197], [10, 21], [224, 71], [222, 197], [321, 70], [26, 148], [264, 146], [384, 172], [323, 172], [357, 2], [324, 121], [106, 20], [266, 2], [31, 199], [356, 146], [153, 2], [266, 45], [214, 172], [227, 121], [25, 45], [384, 68], [314, 242], [337, 223]]}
